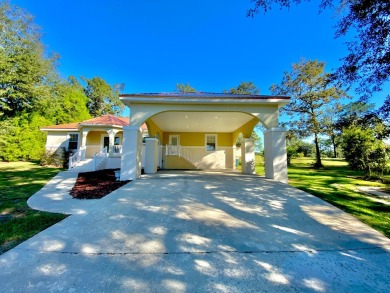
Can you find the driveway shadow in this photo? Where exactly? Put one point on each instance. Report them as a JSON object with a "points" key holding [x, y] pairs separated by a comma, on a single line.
{"points": [[203, 232]]}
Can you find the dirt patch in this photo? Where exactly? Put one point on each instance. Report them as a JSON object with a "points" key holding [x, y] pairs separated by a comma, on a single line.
{"points": [[94, 185]]}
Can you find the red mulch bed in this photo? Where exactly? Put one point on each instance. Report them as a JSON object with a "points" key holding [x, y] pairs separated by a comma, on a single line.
{"points": [[93, 185]]}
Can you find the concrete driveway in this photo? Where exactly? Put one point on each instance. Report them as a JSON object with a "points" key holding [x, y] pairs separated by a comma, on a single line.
{"points": [[202, 232]]}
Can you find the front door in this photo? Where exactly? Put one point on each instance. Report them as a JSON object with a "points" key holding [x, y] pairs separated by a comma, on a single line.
{"points": [[174, 145], [174, 140], [106, 142]]}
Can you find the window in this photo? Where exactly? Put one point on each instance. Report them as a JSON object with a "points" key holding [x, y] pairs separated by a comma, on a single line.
{"points": [[174, 139], [106, 142], [211, 142], [73, 141]]}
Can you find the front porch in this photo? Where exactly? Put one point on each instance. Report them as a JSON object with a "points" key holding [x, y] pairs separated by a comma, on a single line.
{"points": [[102, 145]]}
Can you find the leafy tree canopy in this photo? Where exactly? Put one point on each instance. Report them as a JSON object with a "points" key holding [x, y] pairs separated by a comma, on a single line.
{"points": [[311, 92], [25, 71], [368, 61], [364, 151], [362, 115], [102, 98], [185, 88], [245, 88]]}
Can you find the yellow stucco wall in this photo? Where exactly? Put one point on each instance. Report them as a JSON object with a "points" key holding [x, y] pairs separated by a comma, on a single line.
{"points": [[224, 139], [198, 138], [95, 137], [153, 129], [246, 130]]}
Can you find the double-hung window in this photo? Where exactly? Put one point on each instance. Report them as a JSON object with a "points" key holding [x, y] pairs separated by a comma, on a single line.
{"points": [[211, 142], [73, 141]]}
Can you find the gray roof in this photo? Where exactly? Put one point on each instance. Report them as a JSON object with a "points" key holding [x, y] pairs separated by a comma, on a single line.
{"points": [[204, 95]]}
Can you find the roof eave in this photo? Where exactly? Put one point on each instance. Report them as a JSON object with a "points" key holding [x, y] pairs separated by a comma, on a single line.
{"points": [[101, 125], [209, 100], [59, 129]]}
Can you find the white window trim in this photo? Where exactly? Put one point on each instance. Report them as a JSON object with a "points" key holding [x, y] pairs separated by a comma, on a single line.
{"points": [[174, 135], [205, 141], [78, 139], [102, 136]]}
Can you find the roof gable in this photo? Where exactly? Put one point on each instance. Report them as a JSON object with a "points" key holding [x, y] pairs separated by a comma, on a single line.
{"points": [[108, 120], [67, 126], [105, 120]]}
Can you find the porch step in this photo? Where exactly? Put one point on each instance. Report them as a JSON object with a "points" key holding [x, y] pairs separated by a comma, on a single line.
{"points": [[86, 165]]}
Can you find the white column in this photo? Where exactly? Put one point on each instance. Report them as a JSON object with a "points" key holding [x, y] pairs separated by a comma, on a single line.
{"points": [[131, 153], [151, 155], [111, 140], [248, 156], [275, 154], [84, 134]]}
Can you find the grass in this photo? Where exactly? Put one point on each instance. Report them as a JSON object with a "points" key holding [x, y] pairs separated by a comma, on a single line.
{"points": [[18, 222], [337, 184]]}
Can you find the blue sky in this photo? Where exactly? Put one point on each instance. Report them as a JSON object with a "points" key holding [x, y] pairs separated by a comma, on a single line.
{"points": [[152, 45]]}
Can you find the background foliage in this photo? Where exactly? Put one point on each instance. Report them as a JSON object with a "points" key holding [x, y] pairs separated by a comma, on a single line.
{"points": [[33, 95]]}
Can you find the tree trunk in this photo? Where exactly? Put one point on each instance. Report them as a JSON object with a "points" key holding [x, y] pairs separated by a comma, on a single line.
{"points": [[334, 147], [318, 163]]}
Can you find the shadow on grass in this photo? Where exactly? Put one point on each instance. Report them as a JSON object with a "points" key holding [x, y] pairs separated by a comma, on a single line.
{"points": [[338, 186]]}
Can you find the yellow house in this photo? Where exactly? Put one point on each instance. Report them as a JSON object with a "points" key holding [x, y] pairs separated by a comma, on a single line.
{"points": [[101, 136], [199, 131], [184, 130]]}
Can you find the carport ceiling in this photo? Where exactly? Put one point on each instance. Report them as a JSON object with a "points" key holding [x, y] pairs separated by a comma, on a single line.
{"points": [[200, 121]]}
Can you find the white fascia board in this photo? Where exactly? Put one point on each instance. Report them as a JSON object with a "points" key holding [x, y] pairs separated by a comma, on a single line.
{"points": [[222, 101], [59, 129]]}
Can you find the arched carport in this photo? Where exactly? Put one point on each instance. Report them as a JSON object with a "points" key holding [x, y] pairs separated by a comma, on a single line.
{"points": [[197, 115]]}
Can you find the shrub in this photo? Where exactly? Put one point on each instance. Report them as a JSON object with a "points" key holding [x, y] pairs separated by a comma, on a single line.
{"points": [[58, 158], [363, 151]]}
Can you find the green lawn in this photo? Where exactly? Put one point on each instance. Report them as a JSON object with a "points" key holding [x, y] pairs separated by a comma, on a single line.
{"points": [[18, 181], [337, 184]]}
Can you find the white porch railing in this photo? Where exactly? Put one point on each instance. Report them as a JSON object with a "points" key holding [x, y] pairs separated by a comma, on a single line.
{"points": [[99, 159], [77, 157], [199, 157], [172, 150], [194, 155], [117, 150]]}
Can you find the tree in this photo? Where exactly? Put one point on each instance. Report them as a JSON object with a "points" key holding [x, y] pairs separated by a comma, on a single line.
{"points": [[363, 115], [311, 92], [21, 139], [185, 88], [363, 151], [20, 136], [368, 61], [72, 104], [255, 137], [330, 118], [245, 88], [248, 88], [102, 98], [25, 72]]}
